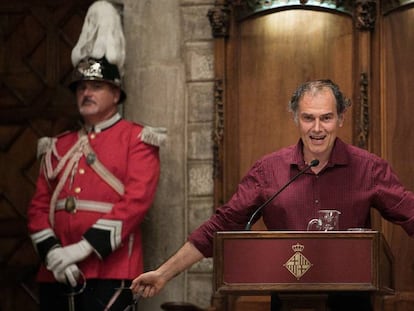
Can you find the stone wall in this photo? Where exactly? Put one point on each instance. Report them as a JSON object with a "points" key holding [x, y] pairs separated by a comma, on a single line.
{"points": [[169, 82]]}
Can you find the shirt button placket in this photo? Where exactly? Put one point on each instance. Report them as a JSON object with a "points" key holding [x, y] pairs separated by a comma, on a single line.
{"points": [[316, 193]]}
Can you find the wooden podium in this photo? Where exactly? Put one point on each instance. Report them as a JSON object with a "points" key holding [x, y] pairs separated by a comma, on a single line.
{"points": [[301, 267]]}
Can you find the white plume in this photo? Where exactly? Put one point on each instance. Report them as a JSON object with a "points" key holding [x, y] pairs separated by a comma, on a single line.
{"points": [[101, 35]]}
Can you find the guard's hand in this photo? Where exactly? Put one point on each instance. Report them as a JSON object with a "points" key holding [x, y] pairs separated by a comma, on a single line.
{"points": [[148, 284], [69, 275], [58, 259]]}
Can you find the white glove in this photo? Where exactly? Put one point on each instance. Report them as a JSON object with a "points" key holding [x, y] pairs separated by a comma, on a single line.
{"points": [[70, 274], [58, 259]]}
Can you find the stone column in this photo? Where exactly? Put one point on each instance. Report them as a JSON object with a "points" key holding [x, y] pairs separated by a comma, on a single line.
{"points": [[169, 82]]}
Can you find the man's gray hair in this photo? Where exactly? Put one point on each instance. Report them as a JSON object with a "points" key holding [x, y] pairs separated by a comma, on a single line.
{"points": [[313, 87]]}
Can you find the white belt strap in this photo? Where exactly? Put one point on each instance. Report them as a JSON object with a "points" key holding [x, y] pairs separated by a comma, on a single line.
{"points": [[84, 205]]}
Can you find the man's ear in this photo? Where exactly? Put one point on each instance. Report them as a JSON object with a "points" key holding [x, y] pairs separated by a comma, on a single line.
{"points": [[341, 119], [117, 94], [295, 118]]}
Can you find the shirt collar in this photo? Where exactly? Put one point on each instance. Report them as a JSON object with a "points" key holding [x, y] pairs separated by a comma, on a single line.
{"points": [[339, 154], [99, 127]]}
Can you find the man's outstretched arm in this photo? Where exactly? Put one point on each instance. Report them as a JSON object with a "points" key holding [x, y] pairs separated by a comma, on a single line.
{"points": [[151, 283]]}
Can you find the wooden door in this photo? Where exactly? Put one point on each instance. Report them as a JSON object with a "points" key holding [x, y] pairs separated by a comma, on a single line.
{"points": [[36, 41]]}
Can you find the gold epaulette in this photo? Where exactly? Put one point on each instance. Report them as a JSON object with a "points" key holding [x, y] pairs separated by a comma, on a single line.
{"points": [[155, 136], [46, 143], [43, 145]]}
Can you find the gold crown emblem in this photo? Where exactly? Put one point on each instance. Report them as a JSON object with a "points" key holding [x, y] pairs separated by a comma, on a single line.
{"points": [[298, 247]]}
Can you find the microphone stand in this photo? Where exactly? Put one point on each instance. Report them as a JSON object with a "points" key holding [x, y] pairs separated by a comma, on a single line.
{"points": [[249, 223]]}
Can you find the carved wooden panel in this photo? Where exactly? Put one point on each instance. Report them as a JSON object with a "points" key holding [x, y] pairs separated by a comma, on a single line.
{"points": [[278, 52], [261, 59], [36, 41]]}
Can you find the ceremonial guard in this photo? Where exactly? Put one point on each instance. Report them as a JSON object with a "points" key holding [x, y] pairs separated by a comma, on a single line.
{"points": [[96, 184]]}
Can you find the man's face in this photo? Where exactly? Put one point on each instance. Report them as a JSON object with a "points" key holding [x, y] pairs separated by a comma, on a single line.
{"points": [[97, 100], [318, 124]]}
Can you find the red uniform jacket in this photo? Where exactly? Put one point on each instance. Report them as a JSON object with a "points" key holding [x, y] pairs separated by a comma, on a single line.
{"points": [[113, 232]]}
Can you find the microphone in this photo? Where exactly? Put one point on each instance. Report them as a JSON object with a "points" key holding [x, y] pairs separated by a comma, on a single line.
{"points": [[313, 163]]}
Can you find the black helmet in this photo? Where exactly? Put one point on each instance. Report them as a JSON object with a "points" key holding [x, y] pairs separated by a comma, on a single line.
{"points": [[96, 69]]}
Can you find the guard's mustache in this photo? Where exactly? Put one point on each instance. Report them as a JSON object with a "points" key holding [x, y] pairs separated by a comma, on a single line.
{"points": [[88, 100]]}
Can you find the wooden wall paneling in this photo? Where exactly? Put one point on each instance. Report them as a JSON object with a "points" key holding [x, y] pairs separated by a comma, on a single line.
{"points": [[231, 119], [374, 99], [365, 23], [397, 77], [220, 21], [278, 52]]}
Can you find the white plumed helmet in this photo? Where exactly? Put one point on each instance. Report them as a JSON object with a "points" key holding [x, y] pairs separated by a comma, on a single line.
{"points": [[99, 53]]}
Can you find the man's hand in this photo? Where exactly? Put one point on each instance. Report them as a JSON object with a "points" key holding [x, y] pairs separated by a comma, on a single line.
{"points": [[148, 284], [58, 259], [69, 275]]}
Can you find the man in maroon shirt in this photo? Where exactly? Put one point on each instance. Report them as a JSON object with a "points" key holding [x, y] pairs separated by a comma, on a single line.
{"points": [[351, 179]]}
